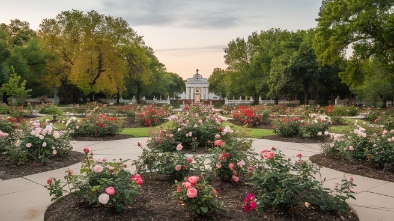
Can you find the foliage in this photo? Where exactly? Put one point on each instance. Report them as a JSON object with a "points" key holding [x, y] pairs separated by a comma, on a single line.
{"points": [[100, 183], [339, 110], [4, 108], [175, 165], [96, 126], [16, 88], [51, 110], [199, 197], [282, 184]]}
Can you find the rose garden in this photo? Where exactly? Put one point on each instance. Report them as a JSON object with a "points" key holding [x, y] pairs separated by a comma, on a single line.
{"points": [[299, 125], [199, 153]]}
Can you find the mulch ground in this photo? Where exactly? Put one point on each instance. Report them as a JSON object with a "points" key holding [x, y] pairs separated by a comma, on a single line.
{"points": [[156, 202]]}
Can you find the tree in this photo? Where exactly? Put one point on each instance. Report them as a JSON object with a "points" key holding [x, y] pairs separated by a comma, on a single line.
{"points": [[16, 88], [91, 52], [365, 26], [217, 82]]}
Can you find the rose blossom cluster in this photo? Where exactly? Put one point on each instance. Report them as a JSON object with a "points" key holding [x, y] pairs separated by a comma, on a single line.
{"points": [[267, 154], [190, 183], [249, 203], [137, 179]]}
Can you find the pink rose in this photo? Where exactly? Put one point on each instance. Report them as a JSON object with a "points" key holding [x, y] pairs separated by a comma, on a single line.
{"points": [[28, 145], [299, 155], [86, 150], [332, 145], [191, 192], [231, 166], [241, 163], [214, 191], [179, 147], [193, 180], [351, 148], [98, 168], [218, 165], [235, 178], [70, 172], [189, 159], [110, 190], [178, 189], [187, 185], [49, 181], [178, 167], [217, 136], [266, 154]]}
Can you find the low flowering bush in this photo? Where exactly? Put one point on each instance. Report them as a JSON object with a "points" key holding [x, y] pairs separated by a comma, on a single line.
{"points": [[287, 126], [282, 184], [230, 162], [195, 128], [198, 196], [176, 165], [251, 116], [100, 183], [95, 126], [311, 128], [39, 142], [372, 145], [152, 115]]}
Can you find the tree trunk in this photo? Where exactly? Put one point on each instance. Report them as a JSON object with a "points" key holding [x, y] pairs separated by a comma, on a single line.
{"points": [[384, 101], [276, 100], [138, 92], [117, 97], [5, 98], [255, 99], [306, 92]]}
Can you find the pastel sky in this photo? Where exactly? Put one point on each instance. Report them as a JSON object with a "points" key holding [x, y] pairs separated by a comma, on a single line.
{"points": [[185, 34]]}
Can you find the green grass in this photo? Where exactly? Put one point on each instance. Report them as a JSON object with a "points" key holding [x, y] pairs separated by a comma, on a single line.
{"points": [[137, 132], [251, 132], [348, 127]]}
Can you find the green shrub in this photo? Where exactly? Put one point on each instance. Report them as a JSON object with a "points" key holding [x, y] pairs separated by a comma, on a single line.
{"points": [[95, 126], [282, 184], [101, 183]]}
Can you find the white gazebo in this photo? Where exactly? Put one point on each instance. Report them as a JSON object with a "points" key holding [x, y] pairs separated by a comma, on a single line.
{"points": [[197, 88]]}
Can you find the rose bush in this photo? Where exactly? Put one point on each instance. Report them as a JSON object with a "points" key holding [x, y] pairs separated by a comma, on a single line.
{"points": [[40, 141], [198, 196], [95, 126], [282, 184], [100, 183]]}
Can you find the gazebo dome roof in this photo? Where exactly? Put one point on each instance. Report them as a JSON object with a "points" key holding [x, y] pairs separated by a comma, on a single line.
{"points": [[197, 79]]}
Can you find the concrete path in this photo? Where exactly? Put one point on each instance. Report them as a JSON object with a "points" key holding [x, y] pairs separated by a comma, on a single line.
{"points": [[25, 198]]}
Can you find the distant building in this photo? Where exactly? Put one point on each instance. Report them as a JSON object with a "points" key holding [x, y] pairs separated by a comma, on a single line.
{"points": [[197, 89]]}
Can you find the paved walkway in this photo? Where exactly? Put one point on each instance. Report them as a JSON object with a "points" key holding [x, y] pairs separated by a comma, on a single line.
{"points": [[25, 198]]}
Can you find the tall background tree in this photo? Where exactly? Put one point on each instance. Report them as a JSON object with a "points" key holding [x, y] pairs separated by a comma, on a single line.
{"points": [[366, 27]]}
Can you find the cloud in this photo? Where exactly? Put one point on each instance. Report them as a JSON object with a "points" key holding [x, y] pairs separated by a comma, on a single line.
{"points": [[181, 14], [191, 51]]}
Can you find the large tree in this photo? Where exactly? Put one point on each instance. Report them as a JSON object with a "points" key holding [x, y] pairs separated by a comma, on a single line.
{"points": [[250, 61], [89, 51], [365, 26]]}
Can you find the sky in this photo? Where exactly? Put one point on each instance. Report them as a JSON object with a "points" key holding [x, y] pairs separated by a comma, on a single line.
{"points": [[184, 34]]}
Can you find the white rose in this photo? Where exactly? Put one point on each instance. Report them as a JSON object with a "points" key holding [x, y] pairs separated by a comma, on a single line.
{"points": [[103, 198]]}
